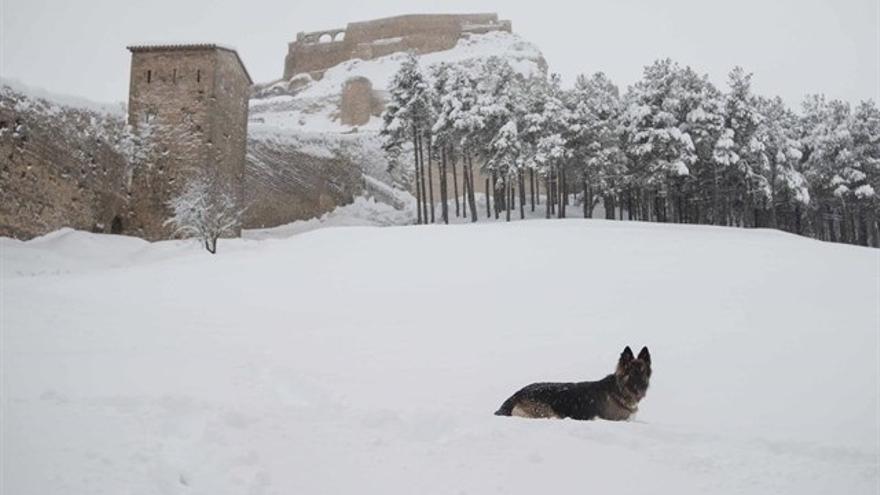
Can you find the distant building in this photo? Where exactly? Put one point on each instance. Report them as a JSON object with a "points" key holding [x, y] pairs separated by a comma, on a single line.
{"points": [[317, 51], [189, 106]]}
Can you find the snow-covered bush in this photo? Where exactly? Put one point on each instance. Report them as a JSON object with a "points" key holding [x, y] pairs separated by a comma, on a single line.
{"points": [[206, 209]]}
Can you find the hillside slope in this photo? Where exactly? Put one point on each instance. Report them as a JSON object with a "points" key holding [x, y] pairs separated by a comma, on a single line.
{"points": [[296, 130], [370, 360]]}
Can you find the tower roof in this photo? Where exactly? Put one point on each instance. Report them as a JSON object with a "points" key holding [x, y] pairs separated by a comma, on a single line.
{"points": [[190, 47]]}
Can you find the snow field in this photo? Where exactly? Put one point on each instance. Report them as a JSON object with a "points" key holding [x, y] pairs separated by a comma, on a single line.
{"points": [[365, 359]]}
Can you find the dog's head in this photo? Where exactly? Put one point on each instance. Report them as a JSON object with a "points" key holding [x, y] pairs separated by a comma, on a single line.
{"points": [[634, 373]]}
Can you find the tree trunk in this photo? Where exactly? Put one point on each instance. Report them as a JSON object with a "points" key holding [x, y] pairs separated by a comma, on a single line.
{"points": [[682, 214], [508, 193], [832, 235], [431, 179], [874, 227], [418, 176], [547, 202], [563, 192], [560, 186], [532, 187], [488, 206], [424, 189], [716, 207], [211, 245], [495, 204], [862, 226], [444, 207], [608, 199], [587, 198], [454, 182], [471, 195], [464, 187], [629, 203], [537, 190]]}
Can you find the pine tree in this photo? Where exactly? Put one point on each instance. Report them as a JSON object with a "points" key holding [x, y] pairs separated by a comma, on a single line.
{"points": [[659, 151], [781, 186], [594, 139], [407, 118], [742, 177]]}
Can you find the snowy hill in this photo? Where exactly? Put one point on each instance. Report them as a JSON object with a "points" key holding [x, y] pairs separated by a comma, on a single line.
{"points": [[370, 360], [314, 108], [303, 162]]}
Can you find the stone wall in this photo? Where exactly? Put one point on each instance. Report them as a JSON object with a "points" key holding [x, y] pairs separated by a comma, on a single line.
{"points": [[229, 119], [190, 104], [284, 184], [59, 167], [317, 51]]}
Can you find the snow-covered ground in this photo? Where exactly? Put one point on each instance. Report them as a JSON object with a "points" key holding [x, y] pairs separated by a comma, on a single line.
{"points": [[370, 360]]}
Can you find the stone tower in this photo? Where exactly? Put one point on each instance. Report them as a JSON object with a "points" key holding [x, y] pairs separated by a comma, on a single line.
{"points": [[188, 105]]}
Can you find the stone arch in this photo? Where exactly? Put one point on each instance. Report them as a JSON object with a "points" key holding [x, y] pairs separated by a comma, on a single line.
{"points": [[339, 36], [325, 38], [116, 225]]}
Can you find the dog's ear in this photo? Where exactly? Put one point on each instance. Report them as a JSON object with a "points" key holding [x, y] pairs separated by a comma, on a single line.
{"points": [[626, 356], [644, 355]]}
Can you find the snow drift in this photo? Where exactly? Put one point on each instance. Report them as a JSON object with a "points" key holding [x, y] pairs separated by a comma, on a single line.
{"points": [[370, 360]]}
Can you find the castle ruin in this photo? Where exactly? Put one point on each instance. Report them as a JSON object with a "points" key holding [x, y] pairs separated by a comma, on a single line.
{"points": [[189, 104], [187, 113], [317, 51]]}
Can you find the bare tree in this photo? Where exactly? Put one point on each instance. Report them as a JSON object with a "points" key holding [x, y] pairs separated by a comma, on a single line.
{"points": [[205, 210]]}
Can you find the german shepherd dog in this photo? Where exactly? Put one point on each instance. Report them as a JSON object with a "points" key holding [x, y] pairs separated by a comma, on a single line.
{"points": [[615, 397]]}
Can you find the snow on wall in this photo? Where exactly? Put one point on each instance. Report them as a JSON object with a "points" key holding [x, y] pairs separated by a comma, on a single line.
{"points": [[56, 100]]}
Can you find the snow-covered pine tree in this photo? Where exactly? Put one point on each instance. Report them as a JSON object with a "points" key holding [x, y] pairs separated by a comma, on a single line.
{"points": [[660, 152], [782, 187], [702, 116], [828, 155], [866, 159], [407, 118], [499, 106], [443, 139], [741, 116], [842, 149], [594, 140], [545, 122], [458, 123]]}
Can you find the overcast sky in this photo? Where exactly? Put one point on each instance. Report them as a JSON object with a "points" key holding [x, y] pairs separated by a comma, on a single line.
{"points": [[794, 47]]}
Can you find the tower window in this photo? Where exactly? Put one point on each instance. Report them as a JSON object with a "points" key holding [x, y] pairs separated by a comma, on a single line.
{"points": [[198, 76], [174, 76], [149, 76]]}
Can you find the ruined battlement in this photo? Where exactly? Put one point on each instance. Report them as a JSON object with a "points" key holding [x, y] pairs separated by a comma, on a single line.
{"points": [[316, 51]]}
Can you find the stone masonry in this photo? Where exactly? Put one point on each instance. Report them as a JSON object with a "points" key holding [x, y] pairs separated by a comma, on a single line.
{"points": [[189, 105], [59, 167], [359, 102]]}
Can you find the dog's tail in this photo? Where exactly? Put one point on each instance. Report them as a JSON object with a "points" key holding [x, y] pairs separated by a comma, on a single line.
{"points": [[506, 409]]}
